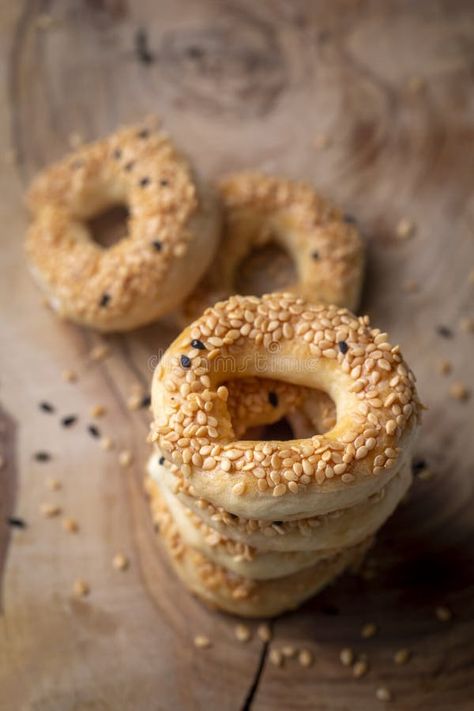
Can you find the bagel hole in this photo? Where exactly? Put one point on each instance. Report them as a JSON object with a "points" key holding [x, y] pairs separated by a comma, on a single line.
{"points": [[110, 226], [265, 269]]}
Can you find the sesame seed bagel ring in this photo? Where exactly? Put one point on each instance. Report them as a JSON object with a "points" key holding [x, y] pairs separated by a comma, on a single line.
{"points": [[326, 247], [284, 337], [223, 589], [172, 230], [322, 534]]}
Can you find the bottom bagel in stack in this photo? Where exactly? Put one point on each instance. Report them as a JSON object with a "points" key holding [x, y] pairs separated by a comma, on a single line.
{"points": [[254, 526]]}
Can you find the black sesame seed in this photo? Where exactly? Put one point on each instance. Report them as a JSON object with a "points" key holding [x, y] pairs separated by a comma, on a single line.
{"points": [[315, 255], [157, 245], [69, 420], [128, 166], [161, 460], [146, 401], [144, 182], [117, 154], [93, 430], [164, 183], [343, 347], [273, 398], [418, 465], [185, 361], [42, 456], [16, 522], [142, 50], [444, 331], [104, 300], [46, 406], [198, 344], [350, 219], [144, 133]]}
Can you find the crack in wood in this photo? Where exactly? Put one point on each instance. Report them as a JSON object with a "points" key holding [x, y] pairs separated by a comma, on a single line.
{"points": [[251, 693]]}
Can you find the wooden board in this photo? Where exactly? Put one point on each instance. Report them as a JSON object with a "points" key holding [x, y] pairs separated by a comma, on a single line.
{"points": [[238, 84]]}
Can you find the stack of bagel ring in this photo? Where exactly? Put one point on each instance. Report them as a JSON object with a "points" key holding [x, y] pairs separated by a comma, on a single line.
{"points": [[253, 525]]}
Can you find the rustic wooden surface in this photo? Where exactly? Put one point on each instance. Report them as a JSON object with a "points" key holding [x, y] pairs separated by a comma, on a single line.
{"points": [[238, 84]]}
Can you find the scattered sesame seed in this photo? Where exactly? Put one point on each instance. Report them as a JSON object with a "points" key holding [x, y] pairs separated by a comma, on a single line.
{"points": [[46, 407], [98, 411], [125, 458], [444, 366], [346, 657], [202, 642], [288, 651], [146, 401], [369, 630], [69, 420], [134, 402], [75, 139], [16, 522], [120, 562], [243, 633], [104, 300], [143, 133], [80, 588], [276, 657], [401, 656], [406, 228], [467, 325], [156, 245], [315, 254], [164, 183], [360, 668], [53, 484], [161, 460], [443, 613], [42, 456], [69, 376], [383, 694], [185, 361], [444, 331], [106, 443], [93, 431], [144, 182], [50, 510], [321, 141], [196, 343], [305, 658], [458, 391], [264, 632], [70, 525], [99, 352]]}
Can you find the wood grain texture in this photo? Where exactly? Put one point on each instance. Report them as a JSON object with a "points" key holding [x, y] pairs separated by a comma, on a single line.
{"points": [[238, 84]]}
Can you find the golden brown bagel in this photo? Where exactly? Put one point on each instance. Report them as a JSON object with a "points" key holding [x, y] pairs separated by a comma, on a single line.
{"points": [[284, 337], [258, 209], [172, 230]]}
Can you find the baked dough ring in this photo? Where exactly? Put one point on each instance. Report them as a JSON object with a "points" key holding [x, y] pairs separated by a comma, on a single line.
{"points": [[257, 209], [172, 230], [321, 534], [284, 337], [222, 589]]}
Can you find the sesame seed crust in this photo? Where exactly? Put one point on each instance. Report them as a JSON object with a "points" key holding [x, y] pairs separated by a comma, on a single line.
{"points": [[223, 589], [371, 385], [257, 209], [173, 226]]}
